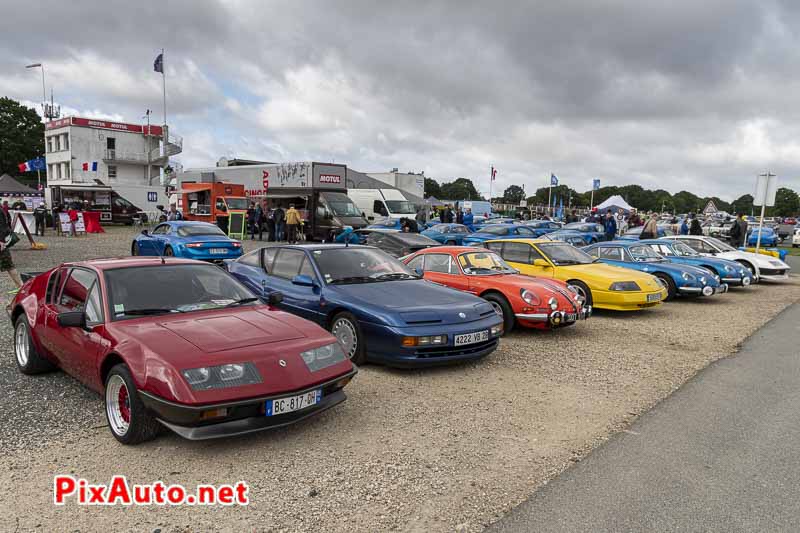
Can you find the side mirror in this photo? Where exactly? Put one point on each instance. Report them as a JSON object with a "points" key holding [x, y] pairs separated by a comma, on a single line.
{"points": [[303, 281], [72, 319], [145, 232], [541, 263], [274, 298]]}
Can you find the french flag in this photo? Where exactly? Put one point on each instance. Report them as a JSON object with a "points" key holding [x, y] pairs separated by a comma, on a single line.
{"points": [[25, 167], [86, 166]]}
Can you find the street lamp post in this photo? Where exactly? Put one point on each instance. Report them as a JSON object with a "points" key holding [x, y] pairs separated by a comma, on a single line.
{"points": [[44, 92]]}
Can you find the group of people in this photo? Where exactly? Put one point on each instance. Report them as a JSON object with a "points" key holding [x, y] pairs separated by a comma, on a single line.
{"points": [[278, 224], [447, 215]]}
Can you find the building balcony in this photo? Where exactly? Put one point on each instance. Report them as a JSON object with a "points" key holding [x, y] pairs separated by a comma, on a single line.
{"points": [[172, 147]]}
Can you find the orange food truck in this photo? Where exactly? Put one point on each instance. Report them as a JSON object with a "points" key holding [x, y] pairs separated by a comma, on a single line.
{"points": [[212, 202]]}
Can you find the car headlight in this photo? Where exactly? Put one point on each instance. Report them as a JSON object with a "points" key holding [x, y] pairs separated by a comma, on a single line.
{"points": [[222, 376], [427, 340], [624, 286], [529, 297], [703, 280], [687, 276], [728, 268], [553, 303], [574, 291], [497, 330], [323, 357]]}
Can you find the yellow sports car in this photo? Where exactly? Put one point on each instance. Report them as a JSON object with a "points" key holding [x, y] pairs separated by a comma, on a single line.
{"points": [[602, 286]]}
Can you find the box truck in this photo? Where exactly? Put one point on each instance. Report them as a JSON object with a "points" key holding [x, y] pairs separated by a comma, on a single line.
{"points": [[376, 204]]}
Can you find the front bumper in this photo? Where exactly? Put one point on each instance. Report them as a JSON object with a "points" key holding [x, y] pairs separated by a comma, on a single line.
{"points": [[626, 300], [708, 290], [244, 416], [556, 318], [744, 281]]}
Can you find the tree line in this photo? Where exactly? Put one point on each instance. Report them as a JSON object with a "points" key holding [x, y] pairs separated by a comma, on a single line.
{"points": [[787, 201]]}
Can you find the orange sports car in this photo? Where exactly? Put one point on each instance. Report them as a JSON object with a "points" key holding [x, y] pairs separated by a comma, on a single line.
{"points": [[524, 300]]}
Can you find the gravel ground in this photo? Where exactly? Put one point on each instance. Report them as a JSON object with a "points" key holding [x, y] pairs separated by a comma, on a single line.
{"points": [[440, 450]]}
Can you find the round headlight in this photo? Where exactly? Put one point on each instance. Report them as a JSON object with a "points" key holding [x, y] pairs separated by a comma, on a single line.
{"points": [[728, 268], [529, 297], [687, 276], [553, 303], [703, 280]]}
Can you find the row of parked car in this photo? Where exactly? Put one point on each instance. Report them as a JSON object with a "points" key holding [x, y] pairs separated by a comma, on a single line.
{"points": [[275, 335]]}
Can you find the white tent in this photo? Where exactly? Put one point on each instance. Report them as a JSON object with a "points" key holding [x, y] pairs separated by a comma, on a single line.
{"points": [[615, 203]]}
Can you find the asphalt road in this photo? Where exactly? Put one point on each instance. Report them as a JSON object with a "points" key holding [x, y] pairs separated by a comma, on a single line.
{"points": [[718, 455]]}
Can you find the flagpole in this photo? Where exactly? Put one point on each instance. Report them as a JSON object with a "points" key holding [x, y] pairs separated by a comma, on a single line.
{"points": [[164, 85], [550, 193], [491, 179], [591, 202]]}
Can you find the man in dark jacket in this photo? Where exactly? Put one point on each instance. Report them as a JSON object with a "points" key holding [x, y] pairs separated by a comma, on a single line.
{"points": [[694, 225], [610, 226], [738, 232], [39, 217], [280, 217]]}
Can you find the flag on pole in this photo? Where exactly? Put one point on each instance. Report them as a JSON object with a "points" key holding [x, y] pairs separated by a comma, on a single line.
{"points": [[85, 166], [553, 180], [34, 164], [596, 185], [494, 173], [158, 64], [25, 167], [94, 166]]}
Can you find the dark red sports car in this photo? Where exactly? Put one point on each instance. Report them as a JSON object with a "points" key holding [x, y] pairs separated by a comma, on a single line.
{"points": [[178, 343]]}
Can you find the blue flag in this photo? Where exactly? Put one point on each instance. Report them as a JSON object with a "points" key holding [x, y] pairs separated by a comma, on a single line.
{"points": [[158, 64], [38, 164], [94, 166], [596, 185], [553, 179]]}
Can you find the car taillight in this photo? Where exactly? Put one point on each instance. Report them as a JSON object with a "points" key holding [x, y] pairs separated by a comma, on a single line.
{"points": [[236, 244], [194, 245]]}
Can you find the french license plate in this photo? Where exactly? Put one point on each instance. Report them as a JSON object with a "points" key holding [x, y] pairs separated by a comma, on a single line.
{"points": [[472, 338], [219, 250], [293, 403], [570, 317], [655, 297]]}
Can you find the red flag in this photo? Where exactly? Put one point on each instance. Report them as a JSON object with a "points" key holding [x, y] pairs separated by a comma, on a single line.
{"points": [[494, 173], [86, 166]]}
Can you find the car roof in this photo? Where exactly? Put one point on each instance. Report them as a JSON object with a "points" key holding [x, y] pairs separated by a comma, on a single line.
{"points": [[452, 250], [179, 223], [529, 241], [137, 261]]}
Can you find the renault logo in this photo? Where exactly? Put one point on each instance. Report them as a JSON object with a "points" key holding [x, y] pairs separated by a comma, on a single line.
{"points": [[462, 315], [282, 363]]}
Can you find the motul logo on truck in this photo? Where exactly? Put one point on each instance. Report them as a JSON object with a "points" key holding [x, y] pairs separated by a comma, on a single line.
{"points": [[330, 178]]}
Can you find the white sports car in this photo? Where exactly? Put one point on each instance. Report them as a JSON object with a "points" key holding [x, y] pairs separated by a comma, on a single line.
{"points": [[763, 267]]}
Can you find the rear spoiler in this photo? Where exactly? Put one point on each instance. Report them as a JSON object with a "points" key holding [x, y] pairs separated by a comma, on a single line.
{"points": [[29, 275]]}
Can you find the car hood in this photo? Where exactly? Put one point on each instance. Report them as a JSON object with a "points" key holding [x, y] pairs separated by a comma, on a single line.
{"points": [[761, 260], [483, 236], [673, 268], [607, 274], [416, 302]]}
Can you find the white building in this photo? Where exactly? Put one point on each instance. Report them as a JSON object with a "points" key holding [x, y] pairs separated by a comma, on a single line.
{"points": [[83, 154], [405, 181]]}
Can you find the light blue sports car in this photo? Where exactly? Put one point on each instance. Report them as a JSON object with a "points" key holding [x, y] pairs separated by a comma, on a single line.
{"points": [[188, 239]]}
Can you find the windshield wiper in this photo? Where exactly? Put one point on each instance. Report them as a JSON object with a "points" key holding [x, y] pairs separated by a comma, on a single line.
{"points": [[395, 275], [353, 279], [151, 311], [242, 301]]}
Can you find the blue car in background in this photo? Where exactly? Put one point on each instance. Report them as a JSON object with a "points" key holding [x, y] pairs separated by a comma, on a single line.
{"points": [[540, 227], [634, 233], [386, 223], [678, 279], [573, 237], [187, 239], [729, 272], [448, 233], [768, 237], [480, 222], [498, 231], [376, 307], [591, 231]]}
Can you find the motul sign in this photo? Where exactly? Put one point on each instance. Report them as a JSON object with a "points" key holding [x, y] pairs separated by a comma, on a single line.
{"points": [[330, 178]]}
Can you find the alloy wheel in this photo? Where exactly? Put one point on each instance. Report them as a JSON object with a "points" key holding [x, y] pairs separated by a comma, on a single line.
{"points": [[345, 333], [21, 343], [118, 405]]}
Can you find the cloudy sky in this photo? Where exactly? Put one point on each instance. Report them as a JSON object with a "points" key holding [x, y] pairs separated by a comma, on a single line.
{"points": [[679, 95]]}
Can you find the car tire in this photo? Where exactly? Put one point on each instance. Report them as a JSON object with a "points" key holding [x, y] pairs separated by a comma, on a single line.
{"points": [[749, 267], [672, 290], [583, 290], [25, 353], [450, 243], [135, 249], [128, 418], [169, 252], [347, 331], [502, 308]]}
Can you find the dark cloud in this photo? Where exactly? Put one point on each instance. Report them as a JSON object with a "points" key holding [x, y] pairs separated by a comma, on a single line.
{"points": [[679, 94]]}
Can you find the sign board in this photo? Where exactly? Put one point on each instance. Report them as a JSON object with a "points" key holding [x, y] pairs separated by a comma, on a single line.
{"points": [[710, 208], [236, 224], [467, 205], [66, 227], [523, 203], [766, 186], [265, 180], [104, 125], [152, 196]]}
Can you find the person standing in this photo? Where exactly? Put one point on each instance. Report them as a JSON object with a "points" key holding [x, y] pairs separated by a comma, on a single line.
{"points": [[694, 225], [738, 231], [650, 229], [271, 225], [280, 222], [610, 226], [685, 226], [634, 221], [292, 221], [422, 216], [251, 220], [173, 214], [469, 219], [6, 262], [459, 217], [40, 218]]}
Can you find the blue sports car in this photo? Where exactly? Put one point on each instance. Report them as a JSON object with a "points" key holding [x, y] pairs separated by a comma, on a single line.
{"points": [[573, 237], [678, 279], [378, 309], [591, 231], [386, 224], [188, 239], [448, 233], [498, 231], [730, 272], [634, 233], [540, 227], [768, 237]]}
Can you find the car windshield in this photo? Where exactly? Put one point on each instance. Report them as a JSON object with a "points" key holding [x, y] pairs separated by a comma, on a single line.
{"points": [[164, 289], [484, 263], [386, 223], [565, 254], [725, 247], [578, 226], [195, 230], [440, 228], [495, 230], [400, 206], [644, 253], [237, 204], [341, 205], [684, 250], [355, 264]]}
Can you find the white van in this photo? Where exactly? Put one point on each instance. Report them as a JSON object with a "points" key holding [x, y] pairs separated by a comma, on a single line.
{"points": [[381, 203]]}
